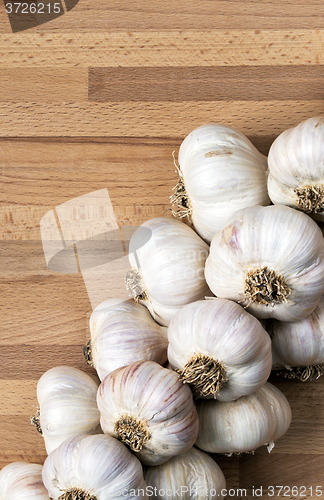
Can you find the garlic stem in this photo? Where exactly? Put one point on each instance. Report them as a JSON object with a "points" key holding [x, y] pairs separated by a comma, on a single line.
{"points": [[132, 432], [134, 285], [204, 374], [181, 198], [311, 198], [264, 286], [77, 494], [87, 353], [35, 420]]}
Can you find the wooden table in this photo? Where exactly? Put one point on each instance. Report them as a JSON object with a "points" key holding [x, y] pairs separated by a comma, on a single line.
{"points": [[98, 99]]}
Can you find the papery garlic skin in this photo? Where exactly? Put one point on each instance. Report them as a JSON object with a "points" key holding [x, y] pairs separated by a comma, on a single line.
{"points": [[170, 267], [301, 343], [123, 332], [194, 472], [277, 238], [222, 173], [98, 465], [157, 403], [222, 330], [22, 481], [245, 424], [296, 167], [68, 407]]}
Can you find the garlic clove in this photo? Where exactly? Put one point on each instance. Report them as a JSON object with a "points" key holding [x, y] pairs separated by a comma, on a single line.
{"points": [[21, 480], [149, 409], [269, 259], [194, 473], [123, 332], [168, 270], [243, 425], [93, 468], [67, 399], [219, 349]]}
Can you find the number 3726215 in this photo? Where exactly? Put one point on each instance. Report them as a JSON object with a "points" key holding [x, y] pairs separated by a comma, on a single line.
{"points": [[33, 8]]}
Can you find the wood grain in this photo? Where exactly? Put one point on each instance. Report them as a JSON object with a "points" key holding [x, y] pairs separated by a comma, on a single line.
{"points": [[99, 99], [263, 83]]}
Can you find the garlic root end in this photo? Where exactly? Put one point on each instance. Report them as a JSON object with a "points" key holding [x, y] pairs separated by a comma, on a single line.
{"points": [[204, 374]]}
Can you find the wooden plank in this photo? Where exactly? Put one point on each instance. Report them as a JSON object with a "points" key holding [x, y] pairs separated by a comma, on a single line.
{"points": [[43, 85], [34, 360], [186, 48], [113, 15], [152, 119], [258, 83], [263, 470]]}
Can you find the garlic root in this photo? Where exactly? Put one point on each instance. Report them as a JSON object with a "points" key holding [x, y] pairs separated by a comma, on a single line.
{"points": [[76, 494], [204, 374], [132, 432], [303, 373], [264, 286]]}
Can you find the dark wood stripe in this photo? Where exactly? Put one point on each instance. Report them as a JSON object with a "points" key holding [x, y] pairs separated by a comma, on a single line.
{"points": [[29, 362], [257, 83], [267, 470]]}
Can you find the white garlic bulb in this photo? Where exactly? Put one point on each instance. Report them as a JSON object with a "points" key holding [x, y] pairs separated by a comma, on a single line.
{"points": [[93, 468], [149, 409], [271, 260], [296, 167], [220, 172], [22, 481], [219, 349], [193, 475], [168, 270], [245, 424], [68, 407], [123, 332], [298, 347]]}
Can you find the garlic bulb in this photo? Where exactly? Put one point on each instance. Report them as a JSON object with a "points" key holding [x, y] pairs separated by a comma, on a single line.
{"points": [[124, 332], [296, 167], [271, 260], [245, 424], [149, 409], [218, 348], [168, 270], [22, 481], [67, 400], [93, 468], [193, 475], [220, 172], [298, 347]]}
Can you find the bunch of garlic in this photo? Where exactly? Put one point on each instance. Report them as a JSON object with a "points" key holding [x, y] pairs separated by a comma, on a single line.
{"points": [[220, 172], [219, 349], [168, 269], [123, 332], [245, 424], [22, 481], [269, 259], [149, 409], [68, 407]]}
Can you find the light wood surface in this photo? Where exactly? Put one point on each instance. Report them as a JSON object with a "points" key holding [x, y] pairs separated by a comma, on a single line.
{"points": [[98, 99]]}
